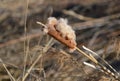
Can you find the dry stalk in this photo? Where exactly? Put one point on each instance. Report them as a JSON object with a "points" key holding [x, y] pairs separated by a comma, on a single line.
{"points": [[11, 77], [45, 49], [21, 39], [26, 41], [78, 16], [95, 22]]}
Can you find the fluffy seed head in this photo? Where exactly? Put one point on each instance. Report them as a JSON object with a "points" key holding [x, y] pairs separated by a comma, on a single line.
{"points": [[65, 29], [52, 21]]}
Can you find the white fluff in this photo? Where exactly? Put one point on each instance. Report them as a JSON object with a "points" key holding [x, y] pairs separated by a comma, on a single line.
{"points": [[51, 23], [65, 29]]}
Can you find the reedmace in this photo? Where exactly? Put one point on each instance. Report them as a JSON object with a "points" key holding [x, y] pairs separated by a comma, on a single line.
{"points": [[61, 31], [63, 28]]}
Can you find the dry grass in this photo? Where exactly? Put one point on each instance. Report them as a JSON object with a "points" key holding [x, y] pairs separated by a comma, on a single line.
{"points": [[44, 59]]}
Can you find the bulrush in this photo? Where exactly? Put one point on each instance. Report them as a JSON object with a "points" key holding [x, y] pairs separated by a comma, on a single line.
{"points": [[66, 31], [61, 31]]}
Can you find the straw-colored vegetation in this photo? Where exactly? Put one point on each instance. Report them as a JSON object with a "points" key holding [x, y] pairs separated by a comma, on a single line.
{"points": [[27, 53]]}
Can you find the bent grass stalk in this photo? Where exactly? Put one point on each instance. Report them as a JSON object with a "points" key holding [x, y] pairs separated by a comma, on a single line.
{"points": [[12, 78]]}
